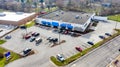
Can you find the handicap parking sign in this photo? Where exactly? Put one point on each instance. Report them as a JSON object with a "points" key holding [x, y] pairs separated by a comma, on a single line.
{"points": [[7, 55]]}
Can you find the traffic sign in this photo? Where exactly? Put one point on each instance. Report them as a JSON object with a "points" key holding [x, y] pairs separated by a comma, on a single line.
{"points": [[7, 55]]}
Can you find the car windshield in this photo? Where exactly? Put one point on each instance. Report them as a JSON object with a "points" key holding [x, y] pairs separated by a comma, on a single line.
{"points": [[60, 56]]}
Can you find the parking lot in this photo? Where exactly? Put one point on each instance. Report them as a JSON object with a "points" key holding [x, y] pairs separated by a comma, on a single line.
{"points": [[43, 51], [5, 29]]}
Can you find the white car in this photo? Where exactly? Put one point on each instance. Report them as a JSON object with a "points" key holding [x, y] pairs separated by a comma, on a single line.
{"points": [[60, 57], [26, 51]]}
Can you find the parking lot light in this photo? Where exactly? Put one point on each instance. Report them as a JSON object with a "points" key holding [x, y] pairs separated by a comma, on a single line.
{"points": [[116, 21]]}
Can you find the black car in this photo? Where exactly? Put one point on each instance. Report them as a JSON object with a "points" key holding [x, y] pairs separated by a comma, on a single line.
{"points": [[55, 40], [36, 34], [49, 38], [60, 31], [108, 34], [91, 43], [118, 49], [102, 37]]}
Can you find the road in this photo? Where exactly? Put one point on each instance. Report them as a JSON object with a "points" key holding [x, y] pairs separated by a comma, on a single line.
{"points": [[99, 57]]}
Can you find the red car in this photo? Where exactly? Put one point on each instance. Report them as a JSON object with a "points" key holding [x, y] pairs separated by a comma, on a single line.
{"points": [[27, 36], [78, 48], [43, 12]]}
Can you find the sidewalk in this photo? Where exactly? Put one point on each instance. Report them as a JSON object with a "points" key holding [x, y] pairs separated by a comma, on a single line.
{"points": [[115, 62]]}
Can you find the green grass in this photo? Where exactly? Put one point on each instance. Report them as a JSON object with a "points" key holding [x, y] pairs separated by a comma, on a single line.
{"points": [[1, 10], [3, 61], [56, 61], [78, 55], [46, 9], [30, 24], [51, 9], [114, 17], [2, 41]]}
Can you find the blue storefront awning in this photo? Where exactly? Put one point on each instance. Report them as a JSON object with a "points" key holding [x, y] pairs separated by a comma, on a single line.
{"points": [[69, 26], [48, 23], [43, 22], [55, 24], [63, 25]]}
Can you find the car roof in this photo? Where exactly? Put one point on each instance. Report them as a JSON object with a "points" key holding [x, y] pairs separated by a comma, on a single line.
{"points": [[26, 49], [58, 54], [38, 38]]}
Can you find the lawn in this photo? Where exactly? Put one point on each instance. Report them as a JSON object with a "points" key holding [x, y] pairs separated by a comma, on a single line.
{"points": [[46, 9], [51, 9], [3, 61], [2, 41], [114, 17], [30, 24]]}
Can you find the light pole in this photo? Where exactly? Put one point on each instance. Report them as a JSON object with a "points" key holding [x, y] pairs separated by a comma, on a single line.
{"points": [[59, 41], [116, 21]]}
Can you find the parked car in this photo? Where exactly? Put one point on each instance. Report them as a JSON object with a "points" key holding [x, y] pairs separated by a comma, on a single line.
{"points": [[1, 30], [60, 57], [108, 34], [23, 27], [27, 36], [26, 51], [38, 40], [36, 34], [66, 32], [33, 33], [43, 12], [55, 40], [91, 43], [32, 39], [102, 37], [118, 49], [52, 39], [78, 49], [49, 38], [60, 31], [8, 37], [63, 31]]}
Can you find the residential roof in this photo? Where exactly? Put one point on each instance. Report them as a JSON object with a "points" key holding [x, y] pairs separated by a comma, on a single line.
{"points": [[14, 16], [69, 16]]}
